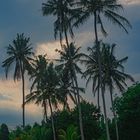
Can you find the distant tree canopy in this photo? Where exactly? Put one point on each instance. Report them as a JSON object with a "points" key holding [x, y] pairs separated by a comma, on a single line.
{"points": [[90, 117], [128, 110], [4, 132], [66, 125]]}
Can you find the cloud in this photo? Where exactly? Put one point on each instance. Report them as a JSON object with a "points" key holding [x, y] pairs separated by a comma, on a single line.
{"points": [[84, 38], [130, 2], [48, 48], [11, 98], [11, 105]]}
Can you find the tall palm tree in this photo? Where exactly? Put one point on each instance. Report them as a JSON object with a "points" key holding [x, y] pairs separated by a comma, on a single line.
{"points": [[62, 11], [37, 73], [45, 87], [97, 8], [112, 72], [114, 75], [94, 72], [19, 53], [69, 57]]}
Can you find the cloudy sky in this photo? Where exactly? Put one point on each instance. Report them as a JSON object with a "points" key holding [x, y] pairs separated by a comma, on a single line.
{"points": [[24, 16]]}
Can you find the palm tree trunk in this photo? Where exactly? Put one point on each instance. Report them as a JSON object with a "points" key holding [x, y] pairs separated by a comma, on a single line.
{"points": [[105, 114], [67, 42], [95, 28], [45, 111], [52, 120], [79, 108], [114, 114], [23, 95], [61, 44], [74, 93], [100, 74], [98, 96]]}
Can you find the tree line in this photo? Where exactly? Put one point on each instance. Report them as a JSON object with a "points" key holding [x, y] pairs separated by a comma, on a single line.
{"points": [[66, 122]]}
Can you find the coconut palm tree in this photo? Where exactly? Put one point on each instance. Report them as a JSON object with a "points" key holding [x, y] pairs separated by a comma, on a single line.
{"points": [[94, 72], [69, 57], [19, 54], [114, 75], [97, 8], [66, 88], [112, 72], [37, 72], [62, 11], [46, 90], [91, 74]]}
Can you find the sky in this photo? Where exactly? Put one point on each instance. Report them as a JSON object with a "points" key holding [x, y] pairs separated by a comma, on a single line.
{"points": [[24, 16]]}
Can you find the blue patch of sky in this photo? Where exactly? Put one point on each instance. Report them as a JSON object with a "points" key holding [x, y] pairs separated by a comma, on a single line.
{"points": [[13, 118], [25, 17]]}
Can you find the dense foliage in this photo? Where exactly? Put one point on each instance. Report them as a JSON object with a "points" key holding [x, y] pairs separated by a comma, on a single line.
{"points": [[128, 110], [66, 123]]}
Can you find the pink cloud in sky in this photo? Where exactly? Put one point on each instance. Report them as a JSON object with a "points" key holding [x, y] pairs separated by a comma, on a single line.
{"points": [[130, 2], [11, 97], [48, 48]]}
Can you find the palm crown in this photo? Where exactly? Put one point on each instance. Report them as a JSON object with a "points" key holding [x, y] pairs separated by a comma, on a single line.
{"points": [[61, 10], [98, 8], [69, 56], [19, 52]]}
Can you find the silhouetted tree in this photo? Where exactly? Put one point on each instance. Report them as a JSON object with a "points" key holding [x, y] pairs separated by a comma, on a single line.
{"points": [[4, 132], [19, 54]]}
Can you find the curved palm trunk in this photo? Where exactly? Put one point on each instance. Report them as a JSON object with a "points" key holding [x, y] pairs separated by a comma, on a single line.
{"points": [[52, 120], [114, 114], [98, 96], [105, 114], [23, 95], [74, 93], [65, 107], [100, 74], [45, 111], [61, 44], [95, 29], [79, 108]]}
